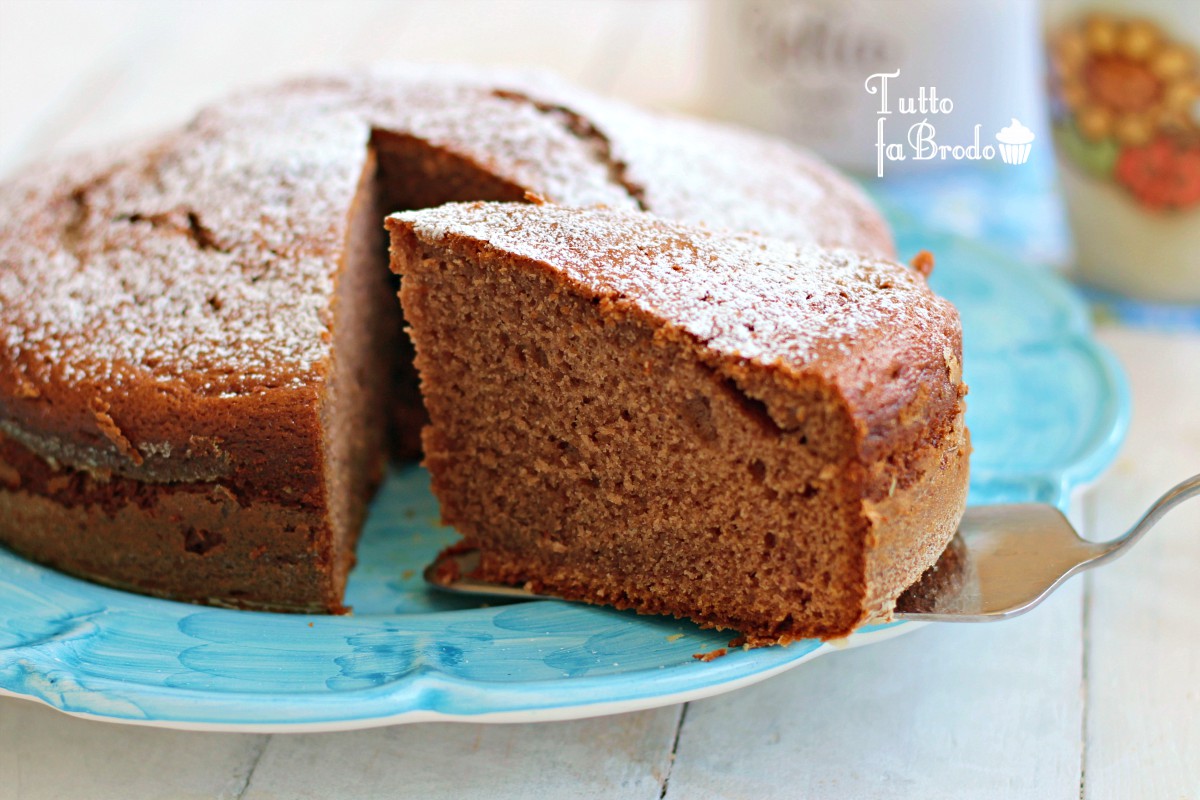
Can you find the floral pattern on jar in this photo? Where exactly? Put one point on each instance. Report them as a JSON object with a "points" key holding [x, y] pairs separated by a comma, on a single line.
{"points": [[1125, 102]]}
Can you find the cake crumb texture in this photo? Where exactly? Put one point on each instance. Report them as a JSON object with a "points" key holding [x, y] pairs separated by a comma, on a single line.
{"points": [[750, 433]]}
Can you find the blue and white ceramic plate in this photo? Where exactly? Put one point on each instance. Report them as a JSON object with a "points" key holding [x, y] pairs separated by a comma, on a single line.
{"points": [[1048, 408]]}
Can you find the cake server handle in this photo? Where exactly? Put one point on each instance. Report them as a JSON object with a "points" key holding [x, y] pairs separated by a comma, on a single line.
{"points": [[1117, 547]]}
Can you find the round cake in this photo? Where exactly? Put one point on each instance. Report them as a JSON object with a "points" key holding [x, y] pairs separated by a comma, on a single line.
{"points": [[200, 345]]}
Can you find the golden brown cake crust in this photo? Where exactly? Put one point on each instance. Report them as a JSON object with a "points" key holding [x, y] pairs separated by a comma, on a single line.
{"points": [[166, 308], [753, 434]]}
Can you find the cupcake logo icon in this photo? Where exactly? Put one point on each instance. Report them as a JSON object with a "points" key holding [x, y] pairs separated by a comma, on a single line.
{"points": [[1015, 142]]}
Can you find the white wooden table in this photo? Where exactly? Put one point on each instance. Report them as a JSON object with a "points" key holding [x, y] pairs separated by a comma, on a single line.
{"points": [[1096, 694]]}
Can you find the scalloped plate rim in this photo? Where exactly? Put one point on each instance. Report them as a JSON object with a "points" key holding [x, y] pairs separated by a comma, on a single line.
{"points": [[556, 713]]}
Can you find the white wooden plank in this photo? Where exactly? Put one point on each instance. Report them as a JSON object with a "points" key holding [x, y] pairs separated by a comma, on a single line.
{"points": [[624, 756], [46, 754], [951, 711], [1143, 650]]}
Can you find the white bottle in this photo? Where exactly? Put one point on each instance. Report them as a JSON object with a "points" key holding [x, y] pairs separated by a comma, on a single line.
{"points": [[797, 68], [1125, 94]]}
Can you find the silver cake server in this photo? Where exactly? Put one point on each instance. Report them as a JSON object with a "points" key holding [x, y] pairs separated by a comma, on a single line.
{"points": [[1005, 560]]}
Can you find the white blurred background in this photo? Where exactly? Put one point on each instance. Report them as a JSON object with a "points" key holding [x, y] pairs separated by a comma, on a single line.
{"points": [[78, 73]]}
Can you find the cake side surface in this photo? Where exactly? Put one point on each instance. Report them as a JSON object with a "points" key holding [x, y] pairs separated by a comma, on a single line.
{"points": [[636, 413], [196, 542]]}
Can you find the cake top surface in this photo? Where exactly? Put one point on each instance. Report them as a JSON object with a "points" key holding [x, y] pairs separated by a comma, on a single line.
{"points": [[747, 296], [772, 316], [206, 258]]}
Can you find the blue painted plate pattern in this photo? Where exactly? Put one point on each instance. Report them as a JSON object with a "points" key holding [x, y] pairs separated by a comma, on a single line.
{"points": [[1047, 410]]}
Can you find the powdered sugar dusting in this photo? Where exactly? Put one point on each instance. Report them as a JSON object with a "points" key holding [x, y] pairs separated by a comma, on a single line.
{"points": [[751, 297], [208, 258], [730, 178]]}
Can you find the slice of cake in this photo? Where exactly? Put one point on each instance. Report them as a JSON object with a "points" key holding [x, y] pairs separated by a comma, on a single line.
{"points": [[753, 434]]}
